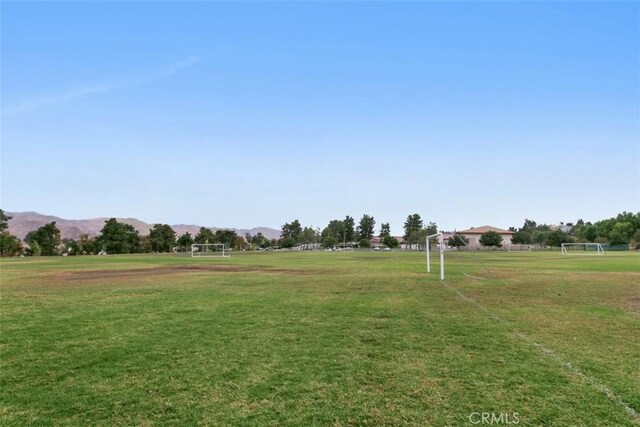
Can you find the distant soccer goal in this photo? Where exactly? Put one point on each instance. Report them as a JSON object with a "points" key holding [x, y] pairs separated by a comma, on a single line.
{"points": [[347, 248], [439, 238], [582, 248], [210, 250], [520, 248]]}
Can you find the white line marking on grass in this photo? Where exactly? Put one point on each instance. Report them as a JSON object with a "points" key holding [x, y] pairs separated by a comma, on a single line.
{"points": [[602, 388]]}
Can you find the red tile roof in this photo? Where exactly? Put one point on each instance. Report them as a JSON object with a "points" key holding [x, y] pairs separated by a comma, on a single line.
{"points": [[484, 229]]}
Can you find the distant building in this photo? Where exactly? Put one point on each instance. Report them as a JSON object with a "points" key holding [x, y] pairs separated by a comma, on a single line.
{"points": [[474, 234], [565, 228], [376, 242]]}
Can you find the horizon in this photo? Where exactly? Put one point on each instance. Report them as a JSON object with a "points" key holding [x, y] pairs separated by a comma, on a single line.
{"points": [[251, 115], [376, 231]]}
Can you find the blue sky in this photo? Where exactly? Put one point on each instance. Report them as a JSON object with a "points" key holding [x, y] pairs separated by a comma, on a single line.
{"points": [[256, 113]]}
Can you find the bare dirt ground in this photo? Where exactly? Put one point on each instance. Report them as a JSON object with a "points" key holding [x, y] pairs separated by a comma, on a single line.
{"points": [[171, 269]]}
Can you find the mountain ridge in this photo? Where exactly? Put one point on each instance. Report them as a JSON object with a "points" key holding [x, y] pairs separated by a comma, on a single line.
{"points": [[23, 222]]}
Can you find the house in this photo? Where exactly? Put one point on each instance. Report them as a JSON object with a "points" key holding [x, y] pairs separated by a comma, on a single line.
{"points": [[474, 234], [565, 228], [376, 242]]}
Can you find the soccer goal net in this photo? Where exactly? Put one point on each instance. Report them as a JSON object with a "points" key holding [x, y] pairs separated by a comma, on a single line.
{"points": [[199, 250], [439, 239], [582, 248], [520, 248]]}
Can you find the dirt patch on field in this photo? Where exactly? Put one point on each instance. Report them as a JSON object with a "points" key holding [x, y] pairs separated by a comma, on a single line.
{"points": [[634, 304], [173, 269]]}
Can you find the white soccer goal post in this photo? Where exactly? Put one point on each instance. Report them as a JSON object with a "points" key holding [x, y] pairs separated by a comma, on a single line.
{"points": [[582, 248], [347, 248], [520, 248], [211, 250], [462, 240], [438, 237]]}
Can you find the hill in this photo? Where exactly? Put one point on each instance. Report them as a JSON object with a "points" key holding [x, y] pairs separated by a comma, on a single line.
{"points": [[24, 222]]}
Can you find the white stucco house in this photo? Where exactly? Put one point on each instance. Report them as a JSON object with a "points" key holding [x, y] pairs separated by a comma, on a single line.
{"points": [[474, 233]]}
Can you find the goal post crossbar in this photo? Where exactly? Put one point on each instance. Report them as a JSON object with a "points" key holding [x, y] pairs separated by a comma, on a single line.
{"points": [[440, 238], [517, 247], [209, 250], [455, 235], [586, 247]]}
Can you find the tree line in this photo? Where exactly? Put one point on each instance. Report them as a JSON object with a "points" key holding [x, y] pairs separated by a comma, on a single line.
{"points": [[119, 238], [622, 230], [345, 232], [115, 238]]}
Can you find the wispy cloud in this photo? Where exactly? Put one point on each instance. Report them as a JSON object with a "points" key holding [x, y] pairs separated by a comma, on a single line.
{"points": [[36, 103], [169, 71], [32, 104]]}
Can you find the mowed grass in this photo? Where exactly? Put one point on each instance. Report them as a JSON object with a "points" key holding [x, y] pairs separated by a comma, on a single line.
{"points": [[359, 338]]}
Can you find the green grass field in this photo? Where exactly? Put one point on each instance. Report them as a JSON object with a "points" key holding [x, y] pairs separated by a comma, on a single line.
{"points": [[365, 338]]}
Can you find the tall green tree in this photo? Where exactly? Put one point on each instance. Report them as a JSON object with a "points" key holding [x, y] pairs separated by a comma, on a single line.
{"points": [[226, 237], [538, 237], [47, 237], [429, 230], [349, 229], [531, 233], [287, 242], [387, 239], [118, 238], [586, 232], [205, 235], [457, 241], [328, 240], [617, 238], [390, 242], [364, 243], [72, 247], [625, 228], [4, 221], [34, 249], [491, 238], [162, 238], [366, 226], [308, 236], [240, 243], [556, 238], [9, 244], [292, 232], [412, 227], [145, 245], [333, 233], [529, 225], [260, 241], [522, 237], [185, 241], [87, 244], [635, 239], [385, 230]]}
